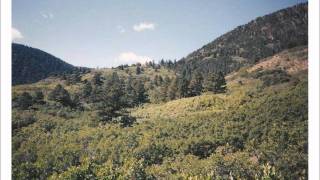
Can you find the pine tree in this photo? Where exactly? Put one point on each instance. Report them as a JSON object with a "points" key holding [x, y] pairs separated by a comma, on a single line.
{"points": [[23, 101], [221, 84], [163, 89], [138, 69], [111, 98], [183, 84], [87, 90], [38, 97], [76, 101], [116, 90], [160, 80], [155, 80], [130, 93], [140, 92], [167, 80], [195, 86], [59, 94], [97, 80], [172, 89], [215, 83], [210, 82]]}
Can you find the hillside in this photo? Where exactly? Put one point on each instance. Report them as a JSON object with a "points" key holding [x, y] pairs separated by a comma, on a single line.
{"points": [[257, 129], [247, 44], [237, 108], [30, 65]]}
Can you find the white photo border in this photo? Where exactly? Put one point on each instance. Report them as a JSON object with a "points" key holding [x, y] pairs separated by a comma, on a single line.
{"points": [[5, 86], [313, 59], [313, 91]]}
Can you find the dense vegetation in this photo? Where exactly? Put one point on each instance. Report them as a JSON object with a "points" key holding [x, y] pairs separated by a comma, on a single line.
{"points": [[120, 124], [30, 65], [174, 120]]}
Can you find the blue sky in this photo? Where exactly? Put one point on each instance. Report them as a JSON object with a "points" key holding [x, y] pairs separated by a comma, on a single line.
{"points": [[106, 33]]}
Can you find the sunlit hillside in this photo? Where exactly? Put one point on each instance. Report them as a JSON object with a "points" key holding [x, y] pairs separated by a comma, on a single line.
{"points": [[256, 129]]}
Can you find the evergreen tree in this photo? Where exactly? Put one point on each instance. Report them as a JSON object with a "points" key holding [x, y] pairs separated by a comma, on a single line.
{"points": [[162, 62], [195, 86], [130, 92], [160, 80], [172, 89], [164, 88], [126, 120], [186, 73], [167, 80], [59, 94], [96, 94], [210, 82], [138, 69], [38, 97], [76, 101], [155, 80], [183, 84], [215, 83], [120, 67], [156, 67], [141, 92], [23, 101], [221, 84], [87, 90], [97, 80], [112, 99]]}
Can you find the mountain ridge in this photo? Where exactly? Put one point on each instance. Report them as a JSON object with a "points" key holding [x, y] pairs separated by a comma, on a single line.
{"points": [[30, 64], [248, 43]]}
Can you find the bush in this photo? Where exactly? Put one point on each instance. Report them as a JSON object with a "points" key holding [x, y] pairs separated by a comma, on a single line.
{"points": [[272, 77], [38, 97], [23, 101], [154, 154], [22, 120], [59, 94], [125, 120], [48, 126], [202, 149]]}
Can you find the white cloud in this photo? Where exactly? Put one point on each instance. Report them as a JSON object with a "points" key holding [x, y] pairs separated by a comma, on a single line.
{"points": [[131, 58], [144, 26], [121, 29], [16, 34], [47, 15]]}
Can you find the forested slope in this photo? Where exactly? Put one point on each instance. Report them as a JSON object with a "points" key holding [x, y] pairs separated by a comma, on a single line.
{"points": [[251, 42], [30, 65]]}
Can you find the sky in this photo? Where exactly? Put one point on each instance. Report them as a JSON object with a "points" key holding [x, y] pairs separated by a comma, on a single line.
{"points": [[107, 33]]}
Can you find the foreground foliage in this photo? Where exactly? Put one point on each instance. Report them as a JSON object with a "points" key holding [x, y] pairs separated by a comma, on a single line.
{"points": [[255, 130]]}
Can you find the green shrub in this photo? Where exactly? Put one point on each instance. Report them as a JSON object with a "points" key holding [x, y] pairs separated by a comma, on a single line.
{"points": [[23, 101], [154, 154], [272, 77], [23, 120], [202, 149]]}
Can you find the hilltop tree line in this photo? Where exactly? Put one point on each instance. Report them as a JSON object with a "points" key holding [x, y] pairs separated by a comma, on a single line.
{"points": [[186, 85], [168, 64]]}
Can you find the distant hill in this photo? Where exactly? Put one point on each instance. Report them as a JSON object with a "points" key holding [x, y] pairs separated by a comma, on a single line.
{"points": [[246, 44], [30, 65]]}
